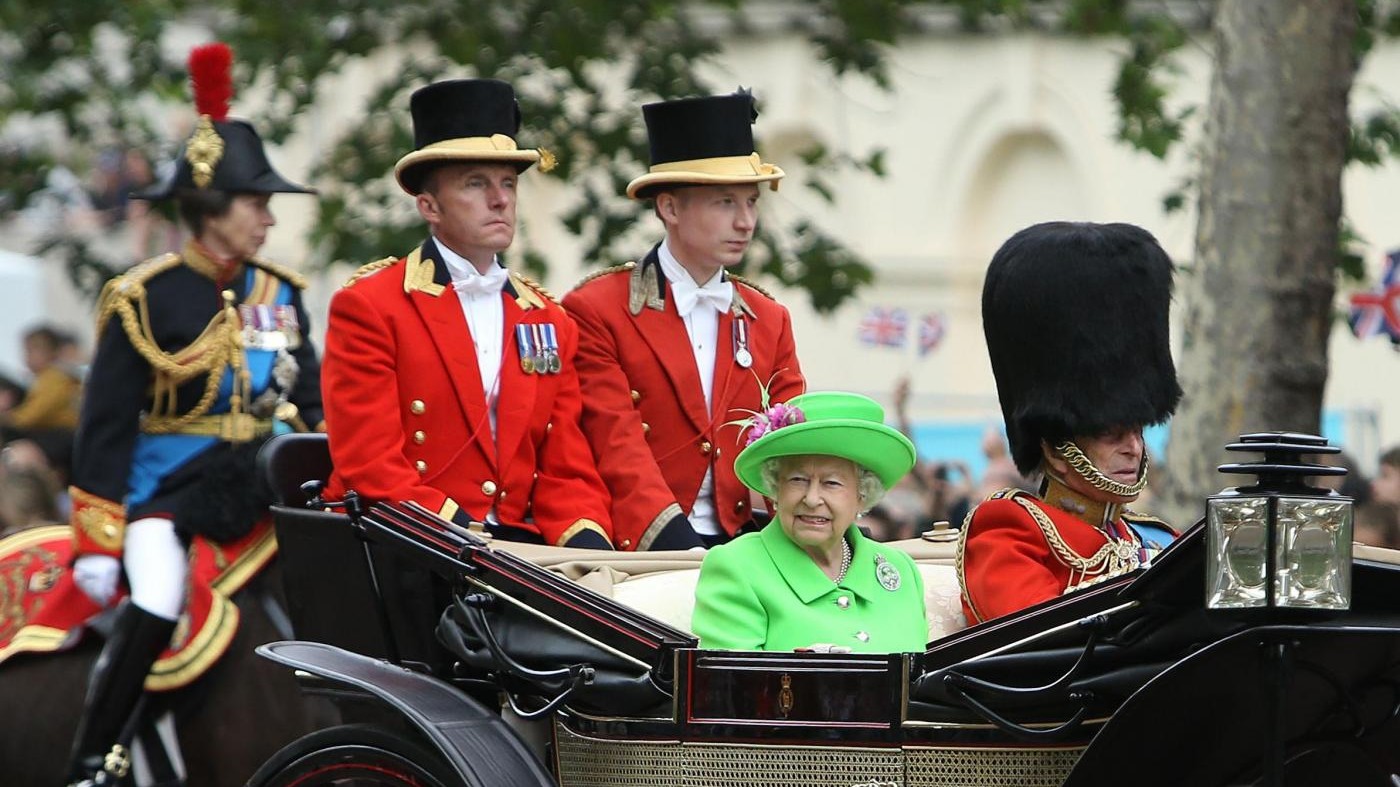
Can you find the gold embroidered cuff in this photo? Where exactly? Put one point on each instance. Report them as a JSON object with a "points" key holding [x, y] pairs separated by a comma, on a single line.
{"points": [[449, 509], [580, 526], [99, 524], [657, 525]]}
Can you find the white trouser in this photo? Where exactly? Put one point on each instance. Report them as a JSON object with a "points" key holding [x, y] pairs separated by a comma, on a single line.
{"points": [[156, 565]]}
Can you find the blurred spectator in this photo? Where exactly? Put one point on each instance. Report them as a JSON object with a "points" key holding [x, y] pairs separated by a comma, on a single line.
{"points": [[1001, 471], [1378, 524], [48, 413], [942, 489], [1354, 484], [1386, 487], [29, 490]]}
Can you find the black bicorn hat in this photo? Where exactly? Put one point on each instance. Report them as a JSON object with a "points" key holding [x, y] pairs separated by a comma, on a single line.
{"points": [[464, 120], [223, 154], [1076, 318], [699, 141]]}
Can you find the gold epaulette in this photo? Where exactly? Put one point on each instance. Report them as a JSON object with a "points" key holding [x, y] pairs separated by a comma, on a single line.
{"points": [[131, 285], [626, 266], [751, 285], [368, 268], [1134, 516], [282, 272], [534, 285]]}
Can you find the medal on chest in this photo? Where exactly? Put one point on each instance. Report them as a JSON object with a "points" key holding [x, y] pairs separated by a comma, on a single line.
{"points": [[269, 326], [742, 356]]}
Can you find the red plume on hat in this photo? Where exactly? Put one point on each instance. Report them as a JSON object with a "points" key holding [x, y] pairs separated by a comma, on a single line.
{"points": [[211, 76]]}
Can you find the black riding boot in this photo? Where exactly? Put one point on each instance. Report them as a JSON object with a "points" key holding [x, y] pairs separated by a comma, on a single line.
{"points": [[114, 687]]}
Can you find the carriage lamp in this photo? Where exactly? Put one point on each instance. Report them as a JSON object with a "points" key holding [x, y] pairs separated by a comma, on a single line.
{"points": [[1279, 543]]}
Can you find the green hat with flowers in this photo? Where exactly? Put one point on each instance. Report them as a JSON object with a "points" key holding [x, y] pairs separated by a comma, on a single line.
{"points": [[825, 423]]}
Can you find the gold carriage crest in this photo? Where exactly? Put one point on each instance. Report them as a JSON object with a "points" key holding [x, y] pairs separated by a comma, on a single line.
{"points": [[785, 697], [203, 151]]}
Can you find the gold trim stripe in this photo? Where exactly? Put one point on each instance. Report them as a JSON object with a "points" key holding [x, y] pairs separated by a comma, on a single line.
{"points": [[212, 641], [580, 526], [741, 166], [657, 523], [32, 639]]}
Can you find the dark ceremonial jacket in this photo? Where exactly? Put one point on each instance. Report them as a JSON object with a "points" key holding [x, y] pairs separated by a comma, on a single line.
{"points": [[645, 411], [408, 420], [1017, 550], [181, 392]]}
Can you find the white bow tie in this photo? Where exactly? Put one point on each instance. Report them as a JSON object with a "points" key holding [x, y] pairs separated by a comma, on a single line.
{"points": [[719, 294], [483, 284]]}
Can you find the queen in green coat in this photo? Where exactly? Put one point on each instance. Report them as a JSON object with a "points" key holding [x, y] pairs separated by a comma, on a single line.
{"points": [[809, 579]]}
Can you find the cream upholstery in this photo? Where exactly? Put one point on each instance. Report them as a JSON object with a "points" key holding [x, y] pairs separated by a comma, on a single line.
{"points": [[662, 584]]}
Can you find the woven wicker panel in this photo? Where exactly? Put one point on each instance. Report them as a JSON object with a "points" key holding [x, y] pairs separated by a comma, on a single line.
{"points": [[930, 767], [726, 765], [592, 762]]}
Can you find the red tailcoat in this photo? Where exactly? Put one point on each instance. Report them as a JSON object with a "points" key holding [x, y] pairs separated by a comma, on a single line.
{"points": [[645, 411], [1009, 559], [407, 418]]}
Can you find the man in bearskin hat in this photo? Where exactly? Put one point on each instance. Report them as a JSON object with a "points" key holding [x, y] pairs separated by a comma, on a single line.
{"points": [[1075, 316], [450, 381], [200, 357], [675, 347]]}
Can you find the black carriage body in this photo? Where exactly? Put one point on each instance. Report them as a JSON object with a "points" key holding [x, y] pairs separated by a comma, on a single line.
{"points": [[1077, 691]]}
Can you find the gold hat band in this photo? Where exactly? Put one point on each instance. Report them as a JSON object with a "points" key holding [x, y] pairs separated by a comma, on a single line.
{"points": [[499, 142], [751, 164]]}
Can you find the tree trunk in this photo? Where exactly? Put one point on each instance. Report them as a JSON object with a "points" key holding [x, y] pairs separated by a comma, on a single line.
{"points": [[1258, 304]]}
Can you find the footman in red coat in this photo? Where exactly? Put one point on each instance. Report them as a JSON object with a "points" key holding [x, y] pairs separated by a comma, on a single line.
{"points": [[673, 348], [448, 380]]}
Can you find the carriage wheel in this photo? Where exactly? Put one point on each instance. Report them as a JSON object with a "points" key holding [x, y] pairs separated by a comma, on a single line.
{"points": [[354, 754]]}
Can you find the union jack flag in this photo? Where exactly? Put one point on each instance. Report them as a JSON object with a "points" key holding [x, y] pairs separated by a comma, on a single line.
{"points": [[882, 327], [1378, 312], [931, 330]]}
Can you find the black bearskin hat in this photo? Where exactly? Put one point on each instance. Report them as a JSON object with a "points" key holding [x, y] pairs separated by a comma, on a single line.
{"points": [[1076, 319]]}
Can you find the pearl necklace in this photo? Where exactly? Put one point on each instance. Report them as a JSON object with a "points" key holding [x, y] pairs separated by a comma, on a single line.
{"points": [[845, 560]]}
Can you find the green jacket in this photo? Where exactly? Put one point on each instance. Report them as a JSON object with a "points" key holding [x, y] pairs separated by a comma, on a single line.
{"points": [[763, 592]]}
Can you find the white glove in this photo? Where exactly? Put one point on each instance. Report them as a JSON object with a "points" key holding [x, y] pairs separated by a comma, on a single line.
{"points": [[96, 576]]}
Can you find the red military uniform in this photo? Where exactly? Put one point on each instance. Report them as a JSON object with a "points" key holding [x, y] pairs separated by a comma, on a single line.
{"points": [[1016, 550], [645, 412], [408, 419]]}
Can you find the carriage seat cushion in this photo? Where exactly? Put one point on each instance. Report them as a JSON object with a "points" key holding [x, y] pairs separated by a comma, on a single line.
{"points": [[670, 597]]}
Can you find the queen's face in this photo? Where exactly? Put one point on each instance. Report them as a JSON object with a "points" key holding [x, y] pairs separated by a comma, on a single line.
{"points": [[818, 498]]}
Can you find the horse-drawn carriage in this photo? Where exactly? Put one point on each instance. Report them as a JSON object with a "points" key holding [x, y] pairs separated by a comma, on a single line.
{"points": [[459, 661]]}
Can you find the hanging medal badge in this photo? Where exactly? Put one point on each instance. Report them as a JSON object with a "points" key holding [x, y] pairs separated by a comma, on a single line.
{"points": [[887, 574], [742, 356], [551, 345], [524, 346]]}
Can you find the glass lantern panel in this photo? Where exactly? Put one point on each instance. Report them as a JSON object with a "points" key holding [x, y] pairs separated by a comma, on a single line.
{"points": [[1313, 553], [1237, 539]]}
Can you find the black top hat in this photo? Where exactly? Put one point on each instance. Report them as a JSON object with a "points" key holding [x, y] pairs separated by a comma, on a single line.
{"points": [[697, 141], [1076, 319], [462, 120], [221, 154]]}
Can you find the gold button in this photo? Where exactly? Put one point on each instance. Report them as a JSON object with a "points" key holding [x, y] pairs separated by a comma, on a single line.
{"points": [[422, 466], [109, 530], [636, 396], [549, 426], [646, 427], [740, 506], [419, 437], [417, 407], [626, 542], [488, 487], [705, 446]]}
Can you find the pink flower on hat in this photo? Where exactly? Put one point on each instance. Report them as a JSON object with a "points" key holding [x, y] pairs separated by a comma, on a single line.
{"points": [[774, 418]]}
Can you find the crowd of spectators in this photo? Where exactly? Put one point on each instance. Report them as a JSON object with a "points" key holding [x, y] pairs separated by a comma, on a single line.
{"points": [[37, 421]]}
